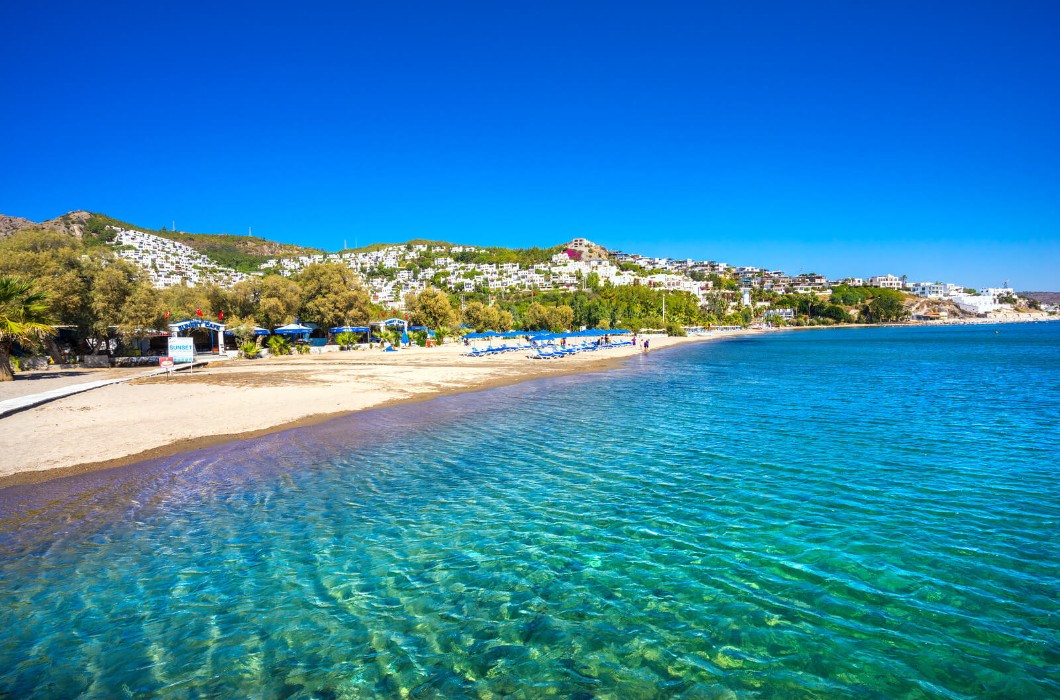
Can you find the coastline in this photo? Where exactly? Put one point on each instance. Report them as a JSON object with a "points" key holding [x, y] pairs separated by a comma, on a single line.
{"points": [[152, 417]]}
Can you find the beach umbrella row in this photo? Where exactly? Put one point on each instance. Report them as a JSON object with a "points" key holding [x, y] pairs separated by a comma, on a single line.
{"points": [[546, 335], [590, 333]]}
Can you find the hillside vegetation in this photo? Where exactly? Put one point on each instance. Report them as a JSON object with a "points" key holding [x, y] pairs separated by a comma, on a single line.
{"points": [[247, 253], [494, 255], [243, 253]]}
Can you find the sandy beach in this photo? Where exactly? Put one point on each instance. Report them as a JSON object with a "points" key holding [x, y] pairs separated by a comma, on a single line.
{"points": [[156, 416]]}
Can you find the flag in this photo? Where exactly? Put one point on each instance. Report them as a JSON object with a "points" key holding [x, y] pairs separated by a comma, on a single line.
{"points": [[167, 315], [198, 312], [220, 315]]}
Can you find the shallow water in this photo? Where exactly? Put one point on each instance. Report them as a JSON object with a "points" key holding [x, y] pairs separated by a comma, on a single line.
{"points": [[842, 513]]}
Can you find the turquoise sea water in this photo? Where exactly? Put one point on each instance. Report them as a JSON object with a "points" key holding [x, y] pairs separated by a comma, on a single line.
{"points": [[867, 513]]}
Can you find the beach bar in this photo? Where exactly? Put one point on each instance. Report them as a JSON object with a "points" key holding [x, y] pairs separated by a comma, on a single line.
{"points": [[214, 332], [355, 330]]}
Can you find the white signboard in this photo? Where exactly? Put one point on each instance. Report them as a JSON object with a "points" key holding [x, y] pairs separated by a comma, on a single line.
{"points": [[182, 349]]}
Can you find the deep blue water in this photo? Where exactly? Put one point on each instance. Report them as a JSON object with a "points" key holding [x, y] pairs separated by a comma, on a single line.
{"points": [[868, 513]]}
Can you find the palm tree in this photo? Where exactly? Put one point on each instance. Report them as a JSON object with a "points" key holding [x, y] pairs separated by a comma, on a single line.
{"points": [[25, 318], [278, 345]]}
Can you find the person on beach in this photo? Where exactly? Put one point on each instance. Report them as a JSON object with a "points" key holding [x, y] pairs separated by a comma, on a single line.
{"points": [[645, 345]]}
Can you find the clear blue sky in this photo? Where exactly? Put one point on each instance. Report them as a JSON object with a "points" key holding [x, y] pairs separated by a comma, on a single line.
{"points": [[846, 138]]}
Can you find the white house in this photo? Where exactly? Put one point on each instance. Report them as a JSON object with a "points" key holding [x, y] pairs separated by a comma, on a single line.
{"points": [[976, 304], [935, 290], [995, 292], [885, 282]]}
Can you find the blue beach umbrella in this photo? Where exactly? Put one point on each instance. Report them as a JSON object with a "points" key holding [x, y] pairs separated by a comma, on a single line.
{"points": [[293, 329]]}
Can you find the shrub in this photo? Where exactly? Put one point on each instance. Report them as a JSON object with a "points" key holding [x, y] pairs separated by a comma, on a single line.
{"points": [[249, 350], [278, 345]]}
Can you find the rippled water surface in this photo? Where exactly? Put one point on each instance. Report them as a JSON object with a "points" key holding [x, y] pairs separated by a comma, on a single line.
{"points": [[845, 513]]}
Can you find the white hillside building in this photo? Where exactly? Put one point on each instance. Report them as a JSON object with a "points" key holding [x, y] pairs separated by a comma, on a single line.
{"points": [[936, 290], [977, 304], [168, 262], [885, 282]]}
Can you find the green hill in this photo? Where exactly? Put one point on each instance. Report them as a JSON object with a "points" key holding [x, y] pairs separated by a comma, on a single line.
{"points": [[247, 253], [482, 255], [243, 253]]}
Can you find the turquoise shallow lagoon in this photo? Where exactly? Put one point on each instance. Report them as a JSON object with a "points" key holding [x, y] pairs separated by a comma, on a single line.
{"points": [[863, 513]]}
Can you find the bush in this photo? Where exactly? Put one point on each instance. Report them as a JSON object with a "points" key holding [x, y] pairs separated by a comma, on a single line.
{"points": [[249, 350], [674, 329], [835, 313], [278, 345], [302, 349]]}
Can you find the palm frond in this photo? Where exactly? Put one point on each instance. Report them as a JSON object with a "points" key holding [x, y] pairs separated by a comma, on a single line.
{"points": [[25, 311]]}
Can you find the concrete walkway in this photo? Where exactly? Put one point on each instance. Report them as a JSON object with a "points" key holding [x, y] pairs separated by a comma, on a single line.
{"points": [[21, 403]]}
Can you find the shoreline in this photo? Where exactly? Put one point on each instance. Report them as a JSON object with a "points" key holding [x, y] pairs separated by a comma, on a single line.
{"points": [[154, 417], [191, 444], [69, 427]]}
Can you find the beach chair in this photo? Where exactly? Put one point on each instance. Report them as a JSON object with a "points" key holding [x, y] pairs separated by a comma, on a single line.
{"points": [[548, 352]]}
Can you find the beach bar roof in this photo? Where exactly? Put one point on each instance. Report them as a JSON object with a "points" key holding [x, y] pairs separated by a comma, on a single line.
{"points": [[391, 322], [349, 329], [184, 326], [258, 330]]}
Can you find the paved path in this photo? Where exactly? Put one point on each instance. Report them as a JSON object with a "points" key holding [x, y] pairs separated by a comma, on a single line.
{"points": [[21, 403]]}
